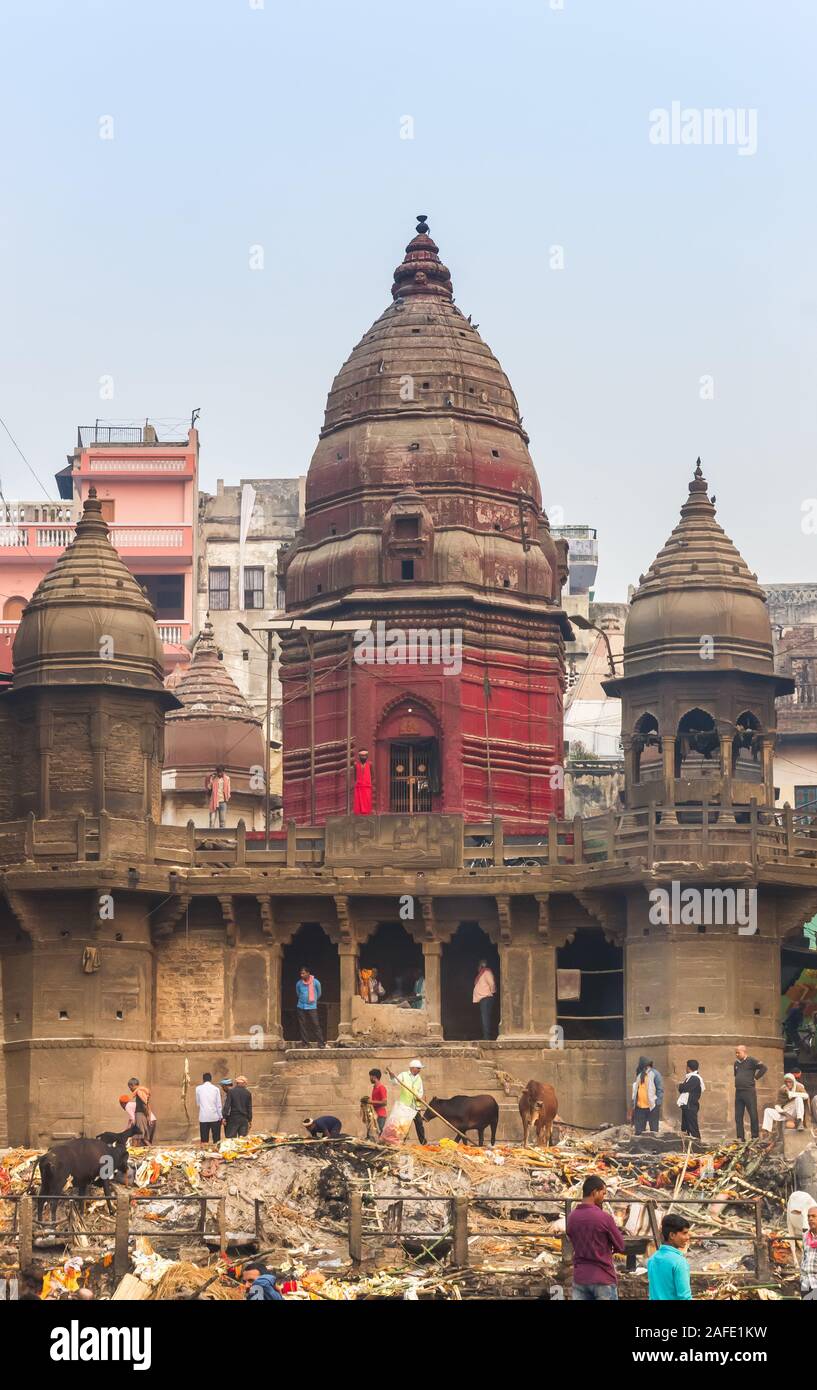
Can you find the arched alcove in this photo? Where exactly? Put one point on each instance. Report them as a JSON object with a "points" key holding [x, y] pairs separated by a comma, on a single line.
{"points": [[311, 947], [598, 1010], [747, 762], [697, 746], [397, 958], [647, 749], [408, 758], [13, 608], [458, 968]]}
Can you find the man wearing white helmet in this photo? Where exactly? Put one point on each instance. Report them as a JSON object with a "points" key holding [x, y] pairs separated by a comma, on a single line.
{"points": [[411, 1094]]}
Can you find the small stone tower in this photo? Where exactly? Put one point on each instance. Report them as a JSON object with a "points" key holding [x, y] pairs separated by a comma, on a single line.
{"points": [[698, 686], [83, 719], [214, 727]]}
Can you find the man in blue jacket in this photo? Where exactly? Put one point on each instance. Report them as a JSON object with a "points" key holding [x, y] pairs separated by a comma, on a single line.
{"points": [[308, 991], [668, 1268], [260, 1284]]}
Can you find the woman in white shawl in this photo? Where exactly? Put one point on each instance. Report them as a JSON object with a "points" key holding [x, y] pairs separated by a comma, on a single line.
{"points": [[690, 1091]]}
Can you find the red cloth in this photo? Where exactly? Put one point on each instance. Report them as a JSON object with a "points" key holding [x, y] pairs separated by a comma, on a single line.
{"points": [[379, 1098], [362, 805], [594, 1236]]}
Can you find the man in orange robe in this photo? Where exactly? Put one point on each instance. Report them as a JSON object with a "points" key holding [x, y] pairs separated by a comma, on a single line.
{"points": [[362, 804]]}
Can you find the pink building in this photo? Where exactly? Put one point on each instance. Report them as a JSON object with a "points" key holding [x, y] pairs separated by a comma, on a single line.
{"points": [[148, 489]]}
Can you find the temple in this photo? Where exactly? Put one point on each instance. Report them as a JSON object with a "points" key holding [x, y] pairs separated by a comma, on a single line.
{"points": [[130, 946], [424, 523]]}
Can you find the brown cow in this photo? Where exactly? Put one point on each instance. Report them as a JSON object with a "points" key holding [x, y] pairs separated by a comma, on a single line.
{"points": [[538, 1106]]}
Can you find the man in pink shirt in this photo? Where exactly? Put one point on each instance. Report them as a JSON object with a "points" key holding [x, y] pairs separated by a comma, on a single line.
{"points": [[484, 993], [594, 1236]]}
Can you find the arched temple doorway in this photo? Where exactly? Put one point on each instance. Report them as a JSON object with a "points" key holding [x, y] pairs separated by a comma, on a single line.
{"points": [[458, 968], [408, 759], [590, 987], [397, 958], [310, 946]]}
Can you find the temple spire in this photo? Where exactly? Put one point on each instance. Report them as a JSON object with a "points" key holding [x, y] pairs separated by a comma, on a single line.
{"points": [[422, 271]]}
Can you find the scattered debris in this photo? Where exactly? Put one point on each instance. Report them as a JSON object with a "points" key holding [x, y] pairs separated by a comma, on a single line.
{"points": [[287, 1199]]}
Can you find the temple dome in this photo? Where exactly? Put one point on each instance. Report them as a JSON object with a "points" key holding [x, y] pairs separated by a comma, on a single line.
{"points": [[215, 725], [698, 586], [422, 404], [88, 621]]}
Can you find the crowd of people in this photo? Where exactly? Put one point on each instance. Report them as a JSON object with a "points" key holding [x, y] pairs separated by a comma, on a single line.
{"points": [[595, 1239], [794, 1105]]}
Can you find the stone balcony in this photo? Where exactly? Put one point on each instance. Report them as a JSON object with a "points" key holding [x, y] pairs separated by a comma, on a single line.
{"points": [[442, 845]]}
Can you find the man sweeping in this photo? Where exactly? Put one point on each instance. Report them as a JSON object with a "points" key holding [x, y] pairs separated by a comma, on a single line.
{"points": [[409, 1102]]}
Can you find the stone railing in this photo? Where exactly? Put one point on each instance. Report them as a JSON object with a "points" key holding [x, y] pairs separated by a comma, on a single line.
{"points": [[699, 835], [57, 535]]}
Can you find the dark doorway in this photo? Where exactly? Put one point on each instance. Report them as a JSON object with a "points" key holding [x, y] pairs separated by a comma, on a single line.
{"points": [[311, 947], [599, 1010], [413, 776], [460, 960], [397, 959]]}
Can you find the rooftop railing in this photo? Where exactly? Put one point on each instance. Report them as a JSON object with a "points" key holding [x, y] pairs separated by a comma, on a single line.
{"points": [[755, 835]]}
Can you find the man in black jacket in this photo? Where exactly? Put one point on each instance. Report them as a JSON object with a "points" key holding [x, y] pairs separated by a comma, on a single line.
{"points": [[693, 1088], [747, 1072], [237, 1109]]}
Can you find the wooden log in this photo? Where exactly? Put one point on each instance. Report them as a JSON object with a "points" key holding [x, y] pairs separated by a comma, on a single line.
{"points": [[460, 1224], [25, 1232], [121, 1259], [355, 1225]]}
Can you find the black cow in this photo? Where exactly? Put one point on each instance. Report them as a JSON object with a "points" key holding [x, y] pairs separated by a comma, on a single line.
{"points": [[467, 1112], [84, 1161]]}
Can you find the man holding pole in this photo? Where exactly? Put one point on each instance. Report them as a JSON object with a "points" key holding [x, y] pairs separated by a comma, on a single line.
{"points": [[411, 1094]]}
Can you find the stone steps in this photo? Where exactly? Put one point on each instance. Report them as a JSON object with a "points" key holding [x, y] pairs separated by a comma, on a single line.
{"points": [[332, 1080]]}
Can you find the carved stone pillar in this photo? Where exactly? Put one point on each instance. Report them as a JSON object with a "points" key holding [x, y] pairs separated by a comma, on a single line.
{"points": [[727, 816], [432, 957], [668, 754], [630, 777], [767, 748], [348, 952], [275, 955]]}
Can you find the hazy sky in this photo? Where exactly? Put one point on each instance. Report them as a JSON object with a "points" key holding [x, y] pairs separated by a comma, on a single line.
{"points": [[236, 126]]}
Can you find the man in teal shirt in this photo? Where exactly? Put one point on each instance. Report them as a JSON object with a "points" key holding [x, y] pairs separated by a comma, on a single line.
{"points": [[668, 1268]]}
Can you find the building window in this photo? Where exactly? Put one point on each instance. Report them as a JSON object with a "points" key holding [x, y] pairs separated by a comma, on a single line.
{"points": [[166, 593], [253, 586], [219, 584], [805, 799], [406, 569]]}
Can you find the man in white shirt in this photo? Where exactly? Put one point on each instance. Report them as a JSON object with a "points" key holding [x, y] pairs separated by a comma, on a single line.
{"points": [[208, 1099], [411, 1094]]}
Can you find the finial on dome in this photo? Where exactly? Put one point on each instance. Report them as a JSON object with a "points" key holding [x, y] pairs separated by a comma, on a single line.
{"points": [[699, 485], [92, 519], [422, 271], [206, 638]]}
